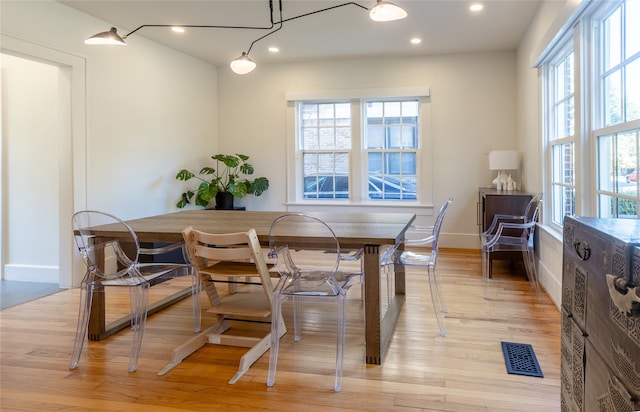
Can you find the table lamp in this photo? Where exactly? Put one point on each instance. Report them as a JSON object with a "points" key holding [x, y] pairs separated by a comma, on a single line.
{"points": [[504, 160]]}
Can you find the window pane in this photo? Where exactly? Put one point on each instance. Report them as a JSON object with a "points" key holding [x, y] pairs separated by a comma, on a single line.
{"points": [[392, 109], [310, 139], [618, 163], [632, 28], [564, 200], [613, 98], [409, 137], [616, 207], [563, 168], [374, 160], [375, 137], [563, 184], [565, 119], [395, 138], [408, 163], [392, 164], [627, 163], [611, 38], [632, 90], [410, 109], [605, 163]]}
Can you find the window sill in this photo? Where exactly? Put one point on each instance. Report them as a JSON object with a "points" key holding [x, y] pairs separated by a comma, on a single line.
{"points": [[375, 207]]}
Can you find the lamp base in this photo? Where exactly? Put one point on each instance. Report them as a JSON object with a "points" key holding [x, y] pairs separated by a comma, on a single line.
{"points": [[504, 182]]}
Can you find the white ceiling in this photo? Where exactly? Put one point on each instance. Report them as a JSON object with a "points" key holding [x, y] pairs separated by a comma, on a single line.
{"points": [[445, 26]]}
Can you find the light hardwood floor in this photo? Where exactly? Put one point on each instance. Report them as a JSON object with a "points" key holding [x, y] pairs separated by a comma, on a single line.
{"points": [[422, 371]]}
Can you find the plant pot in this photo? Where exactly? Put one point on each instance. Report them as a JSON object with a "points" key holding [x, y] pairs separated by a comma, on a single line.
{"points": [[224, 201]]}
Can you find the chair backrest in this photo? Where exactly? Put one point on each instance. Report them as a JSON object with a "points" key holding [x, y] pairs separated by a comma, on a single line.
{"points": [[438, 224], [532, 211], [316, 257], [107, 244], [532, 214], [205, 249]]}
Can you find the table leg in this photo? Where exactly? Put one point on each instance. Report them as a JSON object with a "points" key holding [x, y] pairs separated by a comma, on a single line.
{"points": [[379, 329]]}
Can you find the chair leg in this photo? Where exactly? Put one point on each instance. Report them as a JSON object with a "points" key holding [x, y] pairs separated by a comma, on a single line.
{"points": [[532, 273], [297, 334], [340, 332], [485, 272], [196, 287], [139, 296], [436, 277], [276, 317], [86, 296], [435, 299]]}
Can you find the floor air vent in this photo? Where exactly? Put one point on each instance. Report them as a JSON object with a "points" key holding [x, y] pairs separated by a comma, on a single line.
{"points": [[520, 359]]}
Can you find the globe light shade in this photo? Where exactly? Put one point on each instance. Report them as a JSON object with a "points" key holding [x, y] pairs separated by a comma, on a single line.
{"points": [[243, 64]]}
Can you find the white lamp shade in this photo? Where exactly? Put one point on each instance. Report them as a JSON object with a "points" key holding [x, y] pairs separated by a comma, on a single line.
{"points": [[386, 11], [243, 64], [107, 37], [504, 160]]}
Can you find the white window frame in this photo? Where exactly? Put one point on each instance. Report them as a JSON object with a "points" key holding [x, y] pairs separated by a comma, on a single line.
{"points": [[551, 140], [582, 31], [599, 127], [359, 198]]}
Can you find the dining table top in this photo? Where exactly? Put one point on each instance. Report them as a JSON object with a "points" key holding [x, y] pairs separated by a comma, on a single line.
{"points": [[353, 229]]}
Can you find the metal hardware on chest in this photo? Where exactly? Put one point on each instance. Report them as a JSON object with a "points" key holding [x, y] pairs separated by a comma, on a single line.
{"points": [[582, 249]]}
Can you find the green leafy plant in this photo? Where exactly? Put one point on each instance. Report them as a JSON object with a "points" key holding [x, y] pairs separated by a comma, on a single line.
{"points": [[227, 176]]}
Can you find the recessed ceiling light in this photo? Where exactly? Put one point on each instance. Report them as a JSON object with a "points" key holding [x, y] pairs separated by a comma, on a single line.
{"points": [[476, 7], [177, 29], [274, 49], [416, 40]]}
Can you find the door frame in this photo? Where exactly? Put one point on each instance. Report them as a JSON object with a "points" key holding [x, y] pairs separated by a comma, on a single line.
{"points": [[72, 156]]}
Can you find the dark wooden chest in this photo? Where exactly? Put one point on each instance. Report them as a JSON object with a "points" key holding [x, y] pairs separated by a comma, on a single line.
{"points": [[600, 344]]}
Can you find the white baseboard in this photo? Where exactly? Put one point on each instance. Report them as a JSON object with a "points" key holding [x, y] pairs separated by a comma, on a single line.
{"points": [[32, 273]]}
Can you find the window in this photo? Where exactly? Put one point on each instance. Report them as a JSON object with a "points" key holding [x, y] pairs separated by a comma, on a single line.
{"points": [[617, 111], [561, 133], [591, 86], [358, 150], [392, 147], [325, 142]]}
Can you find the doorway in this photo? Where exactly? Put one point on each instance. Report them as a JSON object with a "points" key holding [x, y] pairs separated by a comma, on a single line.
{"points": [[42, 162]]}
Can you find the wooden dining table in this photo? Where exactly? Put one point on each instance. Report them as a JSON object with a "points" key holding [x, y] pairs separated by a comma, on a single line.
{"points": [[370, 231]]}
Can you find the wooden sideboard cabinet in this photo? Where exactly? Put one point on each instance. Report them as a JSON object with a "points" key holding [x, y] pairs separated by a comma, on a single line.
{"points": [[492, 202], [600, 338]]}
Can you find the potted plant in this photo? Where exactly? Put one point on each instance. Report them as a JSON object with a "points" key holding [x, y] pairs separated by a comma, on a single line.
{"points": [[224, 182]]}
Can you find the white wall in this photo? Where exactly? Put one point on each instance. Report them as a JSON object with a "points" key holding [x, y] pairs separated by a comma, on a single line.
{"points": [[472, 109], [551, 16]]}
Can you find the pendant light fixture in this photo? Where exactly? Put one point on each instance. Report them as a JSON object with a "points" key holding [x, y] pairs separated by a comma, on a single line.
{"points": [[243, 64], [106, 37], [383, 11], [386, 11]]}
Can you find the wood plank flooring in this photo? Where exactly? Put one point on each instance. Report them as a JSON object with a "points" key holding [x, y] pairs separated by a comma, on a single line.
{"points": [[422, 371]]}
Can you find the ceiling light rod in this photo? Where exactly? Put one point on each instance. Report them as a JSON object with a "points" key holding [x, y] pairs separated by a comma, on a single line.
{"points": [[213, 26], [202, 26], [244, 64], [299, 16]]}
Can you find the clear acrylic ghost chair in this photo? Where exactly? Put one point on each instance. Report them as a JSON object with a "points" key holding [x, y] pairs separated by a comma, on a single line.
{"points": [[307, 273], [511, 233], [428, 260], [113, 260]]}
